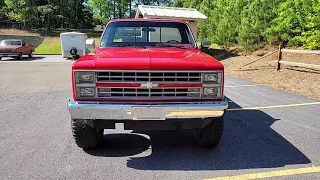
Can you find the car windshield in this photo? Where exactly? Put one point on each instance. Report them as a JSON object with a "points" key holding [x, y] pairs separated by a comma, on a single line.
{"points": [[10, 43], [147, 34]]}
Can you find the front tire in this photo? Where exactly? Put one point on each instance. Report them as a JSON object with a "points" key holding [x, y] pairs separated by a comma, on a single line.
{"points": [[85, 136], [210, 135], [30, 55], [19, 57]]}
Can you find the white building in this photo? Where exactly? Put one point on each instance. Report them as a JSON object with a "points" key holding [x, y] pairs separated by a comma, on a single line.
{"points": [[187, 14]]}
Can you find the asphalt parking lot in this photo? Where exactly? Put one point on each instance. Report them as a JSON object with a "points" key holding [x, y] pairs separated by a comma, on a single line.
{"points": [[268, 134]]}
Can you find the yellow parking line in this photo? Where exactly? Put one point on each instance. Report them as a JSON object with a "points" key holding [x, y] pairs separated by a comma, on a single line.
{"points": [[287, 172], [275, 106], [248, 85]]}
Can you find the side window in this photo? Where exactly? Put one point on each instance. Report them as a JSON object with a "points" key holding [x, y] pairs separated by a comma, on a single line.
{"points": [[165, 34], [23, 43]]}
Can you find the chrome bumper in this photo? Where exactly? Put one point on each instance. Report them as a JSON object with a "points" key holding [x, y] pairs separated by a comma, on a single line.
{"points": [[8, 54], [91, 110]]}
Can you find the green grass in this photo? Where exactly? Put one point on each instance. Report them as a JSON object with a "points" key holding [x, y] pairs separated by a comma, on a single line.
{"points": [[52, 45], [213, 45]]}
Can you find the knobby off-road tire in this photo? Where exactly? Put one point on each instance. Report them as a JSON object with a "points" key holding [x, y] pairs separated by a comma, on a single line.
{"points": [[30, 55], [20, 56], [85, 136], [210, 135]]}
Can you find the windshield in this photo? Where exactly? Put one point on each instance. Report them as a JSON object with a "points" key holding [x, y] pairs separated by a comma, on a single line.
{"points": [[146, 33], [10, 43]]}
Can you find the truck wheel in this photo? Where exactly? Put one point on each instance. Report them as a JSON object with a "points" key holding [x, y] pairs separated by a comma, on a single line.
{"points": [[84, 135], [210, 135], [19, 56], [30, 54]]}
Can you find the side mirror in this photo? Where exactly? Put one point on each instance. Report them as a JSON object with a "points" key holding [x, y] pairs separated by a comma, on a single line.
{"points": [[205, 44], [90, 44]]}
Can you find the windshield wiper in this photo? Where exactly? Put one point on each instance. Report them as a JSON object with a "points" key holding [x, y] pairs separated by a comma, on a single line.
{"points": [[127, 45], [168, 45]]}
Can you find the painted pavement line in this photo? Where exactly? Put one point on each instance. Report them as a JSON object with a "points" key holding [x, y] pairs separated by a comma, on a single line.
{"points": [[275, 106], [286, 172]]}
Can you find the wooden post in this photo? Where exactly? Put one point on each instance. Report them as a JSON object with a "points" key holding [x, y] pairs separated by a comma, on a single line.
{"points": [[279, 57]]}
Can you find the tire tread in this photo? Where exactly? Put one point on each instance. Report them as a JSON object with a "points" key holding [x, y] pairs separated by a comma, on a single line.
{"points": [[85, 136], [210, 135]]}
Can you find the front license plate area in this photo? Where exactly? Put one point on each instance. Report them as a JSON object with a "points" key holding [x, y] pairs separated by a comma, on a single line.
{"points": [[147, 113]]}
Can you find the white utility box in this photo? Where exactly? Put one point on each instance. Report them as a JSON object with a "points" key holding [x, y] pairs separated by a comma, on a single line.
{"points": [[73, 40]]}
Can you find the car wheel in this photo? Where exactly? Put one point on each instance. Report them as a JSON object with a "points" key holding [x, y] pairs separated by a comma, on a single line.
{"points": [[85, 136], [19, 56], [30, 55], [210, 135]]}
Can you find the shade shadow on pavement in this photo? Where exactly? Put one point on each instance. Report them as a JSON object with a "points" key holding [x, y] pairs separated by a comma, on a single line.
{"points": [[34, 58], [248, 142], [121, 145], [219, 54]]}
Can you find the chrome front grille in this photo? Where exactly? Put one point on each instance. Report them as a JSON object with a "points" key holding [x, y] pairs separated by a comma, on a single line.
{"points": [[148, 93], [148, 77]]}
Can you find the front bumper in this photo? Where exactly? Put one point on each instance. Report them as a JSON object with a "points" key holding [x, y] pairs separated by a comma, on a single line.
{"points": [[159, 111]]}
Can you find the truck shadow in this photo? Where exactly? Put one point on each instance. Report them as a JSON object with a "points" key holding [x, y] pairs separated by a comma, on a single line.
{"points": [[248, 142]]}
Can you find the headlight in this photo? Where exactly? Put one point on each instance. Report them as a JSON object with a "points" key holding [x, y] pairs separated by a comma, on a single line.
{"points": [[84, 77], [212, 92], [212, 77], [85, 92]]}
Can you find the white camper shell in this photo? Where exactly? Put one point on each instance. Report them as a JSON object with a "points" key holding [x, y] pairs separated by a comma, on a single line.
{"points": [[70, 40]]}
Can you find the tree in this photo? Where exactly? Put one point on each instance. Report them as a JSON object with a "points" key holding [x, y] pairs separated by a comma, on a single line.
{"points": [[290, 22], [101, 10], [19, 10], [47, 11]]}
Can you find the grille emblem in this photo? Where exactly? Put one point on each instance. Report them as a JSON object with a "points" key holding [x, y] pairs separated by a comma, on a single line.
{"points": [[149, 85]]}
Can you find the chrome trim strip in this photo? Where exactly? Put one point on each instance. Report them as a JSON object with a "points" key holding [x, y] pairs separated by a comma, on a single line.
{"points": [[126, 111], [85, 85], [152, 76]]}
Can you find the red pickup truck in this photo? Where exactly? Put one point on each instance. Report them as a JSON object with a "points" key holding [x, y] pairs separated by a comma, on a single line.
{"points": [[148, 74], [15, 48]]}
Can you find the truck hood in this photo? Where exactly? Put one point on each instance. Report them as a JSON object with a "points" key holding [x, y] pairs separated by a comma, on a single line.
{"points": [[148, 59]]}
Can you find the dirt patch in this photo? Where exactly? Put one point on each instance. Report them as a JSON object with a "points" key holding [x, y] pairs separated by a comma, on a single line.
{"points": [[292, 79], [17, 32], [302, 58]]}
